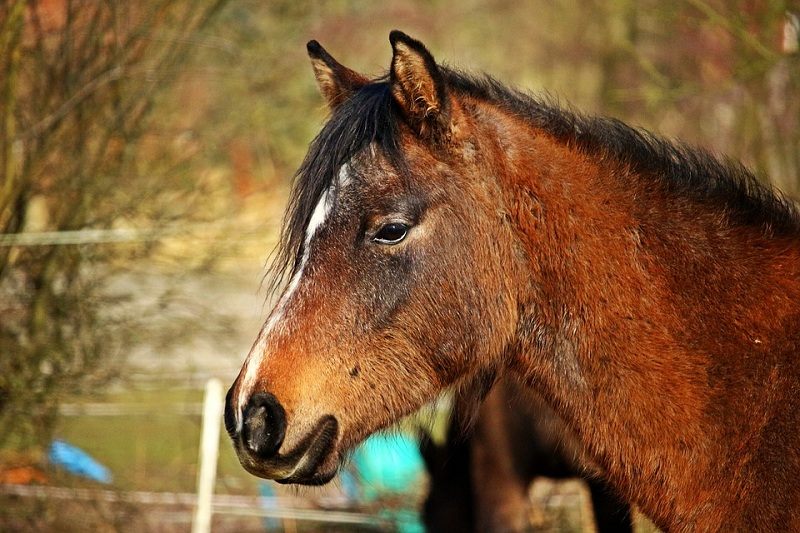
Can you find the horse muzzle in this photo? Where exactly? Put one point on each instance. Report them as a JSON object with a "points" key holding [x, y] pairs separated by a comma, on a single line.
{"points": [[259, 437]]}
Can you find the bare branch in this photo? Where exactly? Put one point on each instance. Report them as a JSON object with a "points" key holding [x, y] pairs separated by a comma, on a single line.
{"points": [[84, 92]]}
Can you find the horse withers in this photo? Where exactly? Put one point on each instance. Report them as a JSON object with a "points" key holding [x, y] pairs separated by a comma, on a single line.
{"points": [[444, 227]]}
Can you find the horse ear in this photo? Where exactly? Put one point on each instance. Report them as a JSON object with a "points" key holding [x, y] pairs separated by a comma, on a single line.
{"points": [[417, 84], [336, 82]]}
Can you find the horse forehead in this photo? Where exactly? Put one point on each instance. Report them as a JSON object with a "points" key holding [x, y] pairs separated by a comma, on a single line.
{"points": [[344, 178], [324, 204]]}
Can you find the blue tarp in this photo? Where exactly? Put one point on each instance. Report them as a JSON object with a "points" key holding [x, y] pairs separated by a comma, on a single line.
{"points": [[76, 461]]}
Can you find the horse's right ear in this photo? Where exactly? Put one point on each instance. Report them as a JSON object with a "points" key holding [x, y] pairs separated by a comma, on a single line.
{"points": [[336, 82], [418, 85]]}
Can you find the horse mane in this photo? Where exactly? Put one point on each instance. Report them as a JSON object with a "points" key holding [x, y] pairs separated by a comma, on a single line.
{"points": [[369, 117], [683, 170], [364, 119]]}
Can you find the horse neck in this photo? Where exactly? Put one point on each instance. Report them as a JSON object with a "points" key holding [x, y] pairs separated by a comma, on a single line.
{"points": [[575, 222], [614, 332]]}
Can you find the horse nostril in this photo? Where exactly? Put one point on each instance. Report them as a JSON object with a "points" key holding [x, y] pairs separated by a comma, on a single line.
{"points": [[264, 425]]}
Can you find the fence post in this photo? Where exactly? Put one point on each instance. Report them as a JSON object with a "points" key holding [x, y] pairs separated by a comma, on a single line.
{"points": [[209, 453]]}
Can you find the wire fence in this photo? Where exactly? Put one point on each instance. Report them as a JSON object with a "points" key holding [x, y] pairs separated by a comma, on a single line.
{"points": [[253, 506], [177, 507], [211, 231]]}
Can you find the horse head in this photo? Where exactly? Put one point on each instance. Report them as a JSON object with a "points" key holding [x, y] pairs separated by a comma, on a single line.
{"points": [[396, 263]]}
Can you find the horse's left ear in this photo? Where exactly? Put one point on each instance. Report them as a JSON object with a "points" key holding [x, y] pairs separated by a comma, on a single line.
{"points": [[336, 82], [418, 85]]}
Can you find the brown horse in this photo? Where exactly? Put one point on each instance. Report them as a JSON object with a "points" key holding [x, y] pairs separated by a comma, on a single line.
{"points": [[443, 227], [481, 475]]}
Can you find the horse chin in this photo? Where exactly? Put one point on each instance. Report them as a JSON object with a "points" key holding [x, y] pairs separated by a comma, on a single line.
{"points": [[314, 461]]}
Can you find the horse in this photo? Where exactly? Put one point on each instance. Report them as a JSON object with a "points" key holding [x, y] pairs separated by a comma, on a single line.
{"points": [[480, 476], [444, 228]]}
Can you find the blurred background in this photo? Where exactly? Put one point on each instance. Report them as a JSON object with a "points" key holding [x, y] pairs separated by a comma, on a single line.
{"points": [[146, 152]]}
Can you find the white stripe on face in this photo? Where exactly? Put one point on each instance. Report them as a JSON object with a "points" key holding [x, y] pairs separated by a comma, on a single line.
{"points": [[257, 353]]}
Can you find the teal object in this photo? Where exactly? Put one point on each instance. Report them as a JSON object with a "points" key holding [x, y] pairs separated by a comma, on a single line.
{"points": [[388, 464], [405, 520], [391, 465]]}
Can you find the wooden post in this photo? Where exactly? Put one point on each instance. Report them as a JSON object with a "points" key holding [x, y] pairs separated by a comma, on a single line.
{"points": [[209, 453]]}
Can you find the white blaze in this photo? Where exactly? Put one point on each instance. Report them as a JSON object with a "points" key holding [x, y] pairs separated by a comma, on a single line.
{"points": [[258, 352]]}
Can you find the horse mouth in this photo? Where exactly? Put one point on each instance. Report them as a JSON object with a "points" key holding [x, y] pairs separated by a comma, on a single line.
{"points": [[311, 462]]}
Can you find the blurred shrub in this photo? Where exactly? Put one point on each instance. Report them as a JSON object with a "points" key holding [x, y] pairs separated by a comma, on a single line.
{"points": [[79, 82]]}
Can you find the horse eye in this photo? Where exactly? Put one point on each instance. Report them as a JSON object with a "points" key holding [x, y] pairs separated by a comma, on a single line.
{"points": [[391, 233]]}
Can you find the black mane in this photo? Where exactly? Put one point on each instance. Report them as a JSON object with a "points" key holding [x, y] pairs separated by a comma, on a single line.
{"points": [[366, 118], [369, 117], [684, 170]]}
